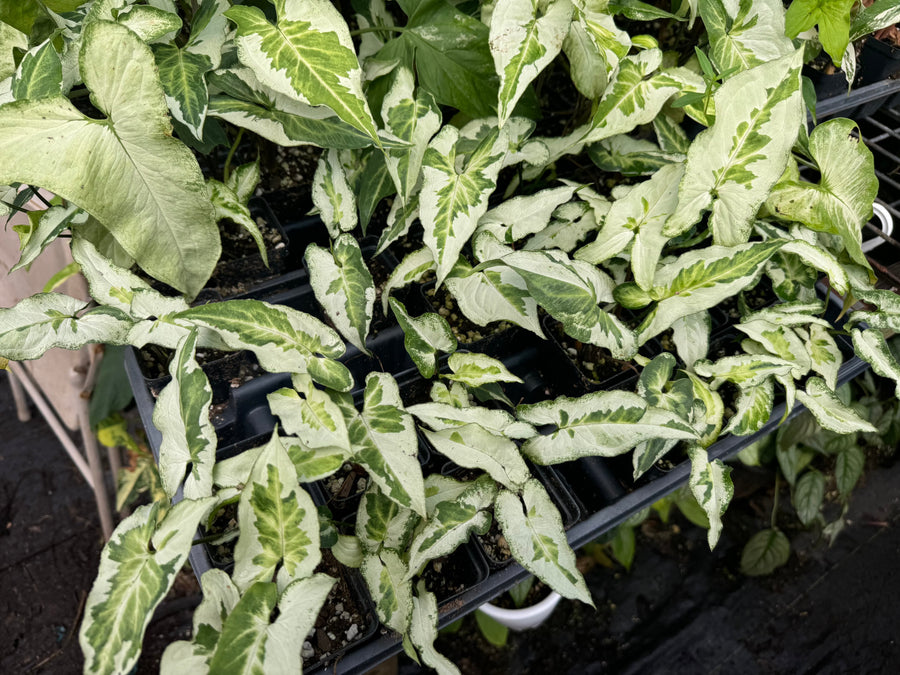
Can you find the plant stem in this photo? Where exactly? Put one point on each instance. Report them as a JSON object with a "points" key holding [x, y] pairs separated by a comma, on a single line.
{"points": [[237, 142], [775, 500], [376, 29]]}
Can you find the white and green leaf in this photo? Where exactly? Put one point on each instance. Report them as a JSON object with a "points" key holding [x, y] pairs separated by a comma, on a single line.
{"points": [[386, 574], [711, 485], [452, 522], [474, 447], [307, 55], [453, 200], [424, 337], [279, 535], [828, 410], [182, 416], [412, 268], [154, 201], [534, 529], [137, 568], [603, 424], [343, 285], [525, 36], [732, 166]]}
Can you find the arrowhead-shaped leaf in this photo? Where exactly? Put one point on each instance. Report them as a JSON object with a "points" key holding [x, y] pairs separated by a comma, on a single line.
{"points": [[746, 34], [384, 440], [343, 286], [308, 55], [49, 320], [154, 201], [711, 486], [534, 529], [601, 424], [828, 410], [841, 202], [182, 416], [137, 568], [252, 643], [279, 523], [385, 574], [525, 37], [424, 336], [452, 523], [452, 202]]}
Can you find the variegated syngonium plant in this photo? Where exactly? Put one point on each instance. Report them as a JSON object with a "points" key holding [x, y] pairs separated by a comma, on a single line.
{"points": [[440, 113]]}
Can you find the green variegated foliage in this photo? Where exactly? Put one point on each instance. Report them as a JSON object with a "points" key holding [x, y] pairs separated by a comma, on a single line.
{"points": [[433, 122], [137, 569], [279, 539]]}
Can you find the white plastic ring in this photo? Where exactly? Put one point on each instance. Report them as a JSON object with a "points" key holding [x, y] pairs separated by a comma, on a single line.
{"points": [[887, 226]]}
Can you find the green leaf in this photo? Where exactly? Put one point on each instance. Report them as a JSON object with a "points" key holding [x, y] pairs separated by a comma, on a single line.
{"points": [[640, 215], [808, 495], [452, 201], [880, 14], [252, 643], [848, 468], [220, 597], [385, 443], [732, 166], [308, 56], [524, 38], [825, 356], [424, 336], [413, 118], [343, 286], [711, 485], [534, 529], [312, 416], [570, 291], [453, 522], [871, 347], [476, 369], [765, 552], [832, 17], [753, 408], [49, 320], [423, 632], [154, 201], [746, 34], [493, 295], [374, 184], [279, 535], [385, 574], [474, 447], [635, 96], [594, 47], [492, 630], [412, 268], [51, 224], [828, 410], [39, 74], [182, 416], [183, 78], [283, 339], [841, 202], [603, 424], [230, 206], [449, 51], [701, 279], [332, 194], [623, 545], [137, 568], [630, 156], [248, 104], [382, 523]]}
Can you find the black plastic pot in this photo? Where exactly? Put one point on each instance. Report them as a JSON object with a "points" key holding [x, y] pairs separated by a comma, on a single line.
{"points": [[879, 60]]}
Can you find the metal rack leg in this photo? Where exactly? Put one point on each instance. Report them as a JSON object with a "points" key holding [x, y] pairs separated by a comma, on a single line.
{"points": [[22, 411]]}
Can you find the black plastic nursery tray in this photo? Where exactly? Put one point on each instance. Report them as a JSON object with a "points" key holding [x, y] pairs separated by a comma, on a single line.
{"points": [[594, 495]]}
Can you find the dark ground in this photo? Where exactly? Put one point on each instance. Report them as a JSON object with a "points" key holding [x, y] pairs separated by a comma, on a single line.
{"points": [[681, 609]]}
